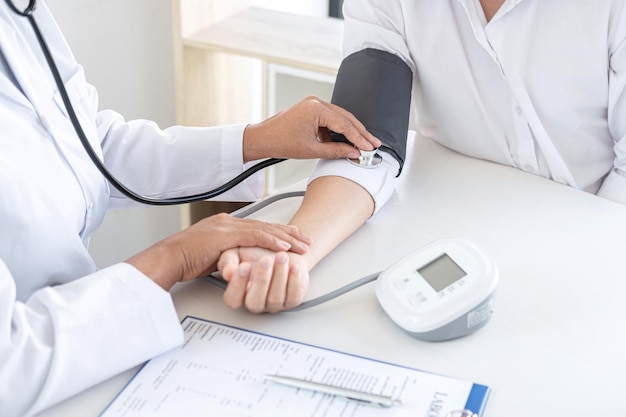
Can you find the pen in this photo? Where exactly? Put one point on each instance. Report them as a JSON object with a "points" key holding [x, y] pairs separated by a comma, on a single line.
{"points": [[374, 399]]}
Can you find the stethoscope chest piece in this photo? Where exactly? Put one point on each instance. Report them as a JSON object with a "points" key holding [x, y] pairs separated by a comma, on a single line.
{"points": [[368, 159]]}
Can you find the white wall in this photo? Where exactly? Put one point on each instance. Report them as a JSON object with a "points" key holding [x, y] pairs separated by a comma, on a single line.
{"points": [[126, 49]]}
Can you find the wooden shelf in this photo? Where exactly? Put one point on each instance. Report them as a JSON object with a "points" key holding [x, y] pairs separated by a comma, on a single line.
{"points": [[313, 43]]}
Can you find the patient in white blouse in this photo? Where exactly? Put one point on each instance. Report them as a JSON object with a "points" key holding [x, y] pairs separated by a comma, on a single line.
{"points": [[531, 84]]}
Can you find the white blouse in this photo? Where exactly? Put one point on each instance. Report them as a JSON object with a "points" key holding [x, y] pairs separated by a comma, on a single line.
{"points": [[540, 87]]}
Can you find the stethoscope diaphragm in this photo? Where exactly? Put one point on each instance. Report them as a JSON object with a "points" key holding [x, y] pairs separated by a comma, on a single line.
{"points": [[368, 159]]}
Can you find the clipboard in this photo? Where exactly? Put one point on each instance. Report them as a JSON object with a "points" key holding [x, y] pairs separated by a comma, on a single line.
{"points": [[219, 371]]}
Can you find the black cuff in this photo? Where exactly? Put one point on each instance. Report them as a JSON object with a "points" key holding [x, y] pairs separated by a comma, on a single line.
{"points": [[375, 86]]}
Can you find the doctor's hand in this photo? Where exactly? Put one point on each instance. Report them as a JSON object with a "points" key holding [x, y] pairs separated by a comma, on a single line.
{"points": [[262, 280], [195, 251], [303, 132]]}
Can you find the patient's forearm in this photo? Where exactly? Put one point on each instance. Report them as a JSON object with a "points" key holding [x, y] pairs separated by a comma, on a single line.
{"points": [[333, 208]]}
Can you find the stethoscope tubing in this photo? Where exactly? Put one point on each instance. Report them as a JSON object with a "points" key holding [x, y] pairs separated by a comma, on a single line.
{"points": [[28, 13], [369, 161]]}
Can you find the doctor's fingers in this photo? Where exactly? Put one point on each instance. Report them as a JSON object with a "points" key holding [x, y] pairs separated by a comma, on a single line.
{"points": [[339, 120], [229, 232]]}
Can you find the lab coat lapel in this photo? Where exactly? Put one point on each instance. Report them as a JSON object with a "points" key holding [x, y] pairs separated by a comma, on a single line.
{"points": [[22, 53], [27, 69]]}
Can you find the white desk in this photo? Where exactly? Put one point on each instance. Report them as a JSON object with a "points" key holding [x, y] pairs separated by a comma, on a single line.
{"points": [[556, 345]]}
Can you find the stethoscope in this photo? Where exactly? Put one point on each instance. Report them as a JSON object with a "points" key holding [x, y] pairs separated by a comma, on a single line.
{"points": [[368, 159]]}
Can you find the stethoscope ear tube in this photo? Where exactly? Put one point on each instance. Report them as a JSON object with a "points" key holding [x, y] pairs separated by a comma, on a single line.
{"points": [[28, 11]]}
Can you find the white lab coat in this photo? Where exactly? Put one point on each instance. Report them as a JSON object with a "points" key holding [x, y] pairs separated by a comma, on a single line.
{"points": [[541, 87], [60, 334]]}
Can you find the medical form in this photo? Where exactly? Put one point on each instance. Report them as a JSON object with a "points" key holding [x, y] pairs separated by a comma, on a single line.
{"points": [[219, 370]]}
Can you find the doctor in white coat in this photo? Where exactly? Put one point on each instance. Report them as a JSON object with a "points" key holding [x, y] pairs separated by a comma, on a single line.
{"points": [[64, 324]]}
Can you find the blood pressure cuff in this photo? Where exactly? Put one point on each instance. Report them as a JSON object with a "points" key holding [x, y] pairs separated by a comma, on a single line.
{"points": [[375, 86]]}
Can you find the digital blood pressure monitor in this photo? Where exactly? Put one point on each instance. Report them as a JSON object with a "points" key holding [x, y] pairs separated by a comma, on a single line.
{"points": [[441, 291]]}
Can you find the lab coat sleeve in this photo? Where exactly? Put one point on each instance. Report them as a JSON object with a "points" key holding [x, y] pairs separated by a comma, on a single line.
{"points": [[67, 338], [614, 185], [173, 162]]}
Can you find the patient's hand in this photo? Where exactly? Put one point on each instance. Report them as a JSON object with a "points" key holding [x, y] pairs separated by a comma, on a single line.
{"points": [[262, 280]]}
